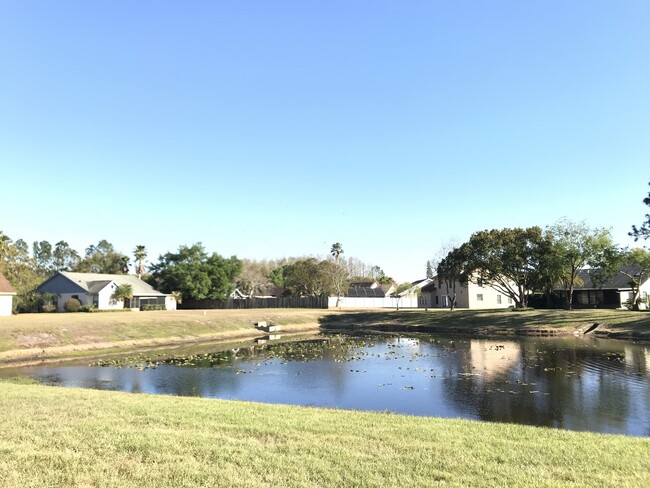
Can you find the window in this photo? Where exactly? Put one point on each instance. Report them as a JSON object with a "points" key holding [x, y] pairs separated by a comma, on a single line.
{"points": [[499, 299], [479, 297], [509, 301], [437, 299], [479, 282]]}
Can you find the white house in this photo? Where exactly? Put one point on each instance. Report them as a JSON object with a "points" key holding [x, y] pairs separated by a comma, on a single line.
{"points": [[472, 295], [98, 289], [7, 294]]}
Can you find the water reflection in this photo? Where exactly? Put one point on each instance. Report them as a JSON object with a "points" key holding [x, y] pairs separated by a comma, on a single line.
{"points": [[577, 384]]}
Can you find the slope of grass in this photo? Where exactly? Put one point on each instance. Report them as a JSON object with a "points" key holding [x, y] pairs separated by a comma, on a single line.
{"points": [[133, 329], [615, 322], [67, 437]]}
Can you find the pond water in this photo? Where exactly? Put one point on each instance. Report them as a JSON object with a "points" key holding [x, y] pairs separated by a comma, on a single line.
{"points": [[578, 384]]}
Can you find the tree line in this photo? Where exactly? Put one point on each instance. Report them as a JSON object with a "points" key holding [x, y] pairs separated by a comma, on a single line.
{"points": [[191, 272]]}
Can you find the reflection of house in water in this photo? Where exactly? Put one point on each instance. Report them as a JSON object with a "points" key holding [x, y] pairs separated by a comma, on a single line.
{"points": [[493, 358]]}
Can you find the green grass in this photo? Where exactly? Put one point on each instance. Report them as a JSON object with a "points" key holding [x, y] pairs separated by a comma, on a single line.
{"points": [[55, 437], [70, 334], [617, 323]]}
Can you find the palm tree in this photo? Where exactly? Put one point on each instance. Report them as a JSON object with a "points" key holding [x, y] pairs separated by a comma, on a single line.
{"points": [[336, 251], [339, 273], [140, 253], [124, 293]]}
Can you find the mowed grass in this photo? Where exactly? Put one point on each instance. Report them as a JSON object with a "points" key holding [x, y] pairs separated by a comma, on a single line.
{"points": [[616, 322], [77, 329], [52, 437]]}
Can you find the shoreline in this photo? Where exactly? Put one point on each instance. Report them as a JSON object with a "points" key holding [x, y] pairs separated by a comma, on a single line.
{"points": [[39, 338]]}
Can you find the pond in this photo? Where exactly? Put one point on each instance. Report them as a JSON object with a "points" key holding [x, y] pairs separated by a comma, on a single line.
{"points": [[571, 383]]}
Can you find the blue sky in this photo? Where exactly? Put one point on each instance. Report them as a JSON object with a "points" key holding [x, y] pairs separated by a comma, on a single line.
{"points": [[270, 129]]}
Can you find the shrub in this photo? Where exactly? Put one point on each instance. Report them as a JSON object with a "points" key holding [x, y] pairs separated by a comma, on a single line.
{"points": [[521, 309], [88, 308], [72, 305], [48, 308], [153, 306]]}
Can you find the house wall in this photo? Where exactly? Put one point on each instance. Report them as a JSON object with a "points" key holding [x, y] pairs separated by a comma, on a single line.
{"points": [[490, 297], [6, 302], [105, 299], [170, 303], [467, 297], [644, 292]]}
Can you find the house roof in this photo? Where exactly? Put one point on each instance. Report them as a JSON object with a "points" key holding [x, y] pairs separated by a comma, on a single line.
{"points": [[94, 282], [617, 282], [363, 291], [431, 286], [97, 286], [5, 286], [364, 284]]}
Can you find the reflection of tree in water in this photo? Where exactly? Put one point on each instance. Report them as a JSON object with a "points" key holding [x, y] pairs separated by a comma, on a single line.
{"points": [[575, 382]]}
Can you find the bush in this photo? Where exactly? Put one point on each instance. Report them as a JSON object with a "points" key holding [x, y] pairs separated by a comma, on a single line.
{"points": [[153, 306], [48, 308], [88, 308], [72, 305], [521, 309]]}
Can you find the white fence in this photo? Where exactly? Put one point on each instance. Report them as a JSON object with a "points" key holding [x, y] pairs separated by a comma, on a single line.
{"points": [[372, 302]]}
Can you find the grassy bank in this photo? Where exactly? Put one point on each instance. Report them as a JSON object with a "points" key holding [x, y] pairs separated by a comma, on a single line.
{"points": [[60, 335], [68, 437], [42, 336], [614, 323]]}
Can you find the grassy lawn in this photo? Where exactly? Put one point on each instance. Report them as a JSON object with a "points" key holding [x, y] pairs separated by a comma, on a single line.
{"points": [[53, 436], [30, 336]]}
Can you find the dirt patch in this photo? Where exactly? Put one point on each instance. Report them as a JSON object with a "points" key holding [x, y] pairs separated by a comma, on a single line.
{"points": [[42, 340]]}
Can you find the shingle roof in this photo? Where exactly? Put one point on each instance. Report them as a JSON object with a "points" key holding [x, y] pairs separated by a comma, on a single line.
{"points": [[5, 286], [617, 282], [366, 292], [93, 282]]}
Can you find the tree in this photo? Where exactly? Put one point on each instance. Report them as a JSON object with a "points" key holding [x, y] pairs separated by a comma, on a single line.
{"points": [[398, 293], [574, 247], [642, 232], [17, 266], [439, 255], [123, 293], [430, 270], [254, 277], [64, 258], [633, 264], [636, 267], [336, 251], [140, 253], [103, 258], [308, 277], [452, 271], [508, 260], [43, 258], [338, 273], [195, 274]]}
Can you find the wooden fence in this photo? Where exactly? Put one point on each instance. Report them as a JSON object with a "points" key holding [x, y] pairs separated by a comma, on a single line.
{"points": [[244, 303]]}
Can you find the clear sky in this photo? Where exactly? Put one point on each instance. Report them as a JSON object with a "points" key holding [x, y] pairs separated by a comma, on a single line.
{"points": [[275, 128]]}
